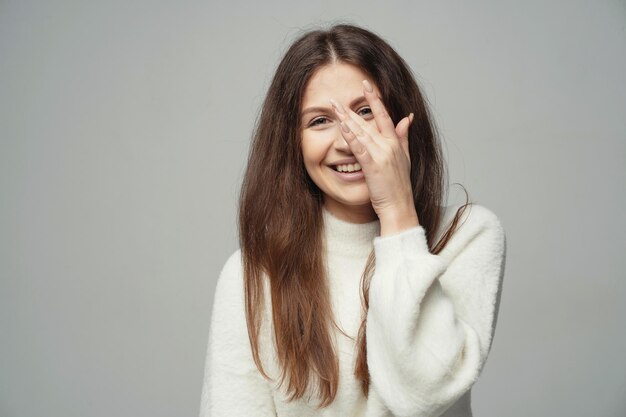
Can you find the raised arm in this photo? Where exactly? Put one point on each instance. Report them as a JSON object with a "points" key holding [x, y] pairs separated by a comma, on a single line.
{"points": [[431, 317]]}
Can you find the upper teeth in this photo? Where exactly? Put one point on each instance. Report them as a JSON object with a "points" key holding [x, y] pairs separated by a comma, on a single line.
{"points": [[349, 167]]}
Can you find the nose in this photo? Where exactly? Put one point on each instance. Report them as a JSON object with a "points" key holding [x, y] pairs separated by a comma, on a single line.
{"points": [[340, 143]]}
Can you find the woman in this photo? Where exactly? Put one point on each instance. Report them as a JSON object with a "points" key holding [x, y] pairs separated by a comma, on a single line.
{"points": [[355, 292]]}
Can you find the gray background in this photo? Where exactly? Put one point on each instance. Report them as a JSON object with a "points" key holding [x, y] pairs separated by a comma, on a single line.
{"points": [[124, 128]]}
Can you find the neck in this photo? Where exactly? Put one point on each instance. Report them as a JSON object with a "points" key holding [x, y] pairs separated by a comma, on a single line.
{"points": [[345, 238]]}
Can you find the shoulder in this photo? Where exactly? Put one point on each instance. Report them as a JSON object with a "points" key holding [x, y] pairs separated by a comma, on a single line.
{"points": [[474, 219], [477, 226], [229, 289], [474, 215], [233, 265]]}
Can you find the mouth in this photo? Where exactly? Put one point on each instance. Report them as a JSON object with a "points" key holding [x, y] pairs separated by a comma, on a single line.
{"points": [[347, 168]]}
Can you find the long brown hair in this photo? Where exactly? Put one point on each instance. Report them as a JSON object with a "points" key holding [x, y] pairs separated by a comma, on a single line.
{"points": [[280, 214]]}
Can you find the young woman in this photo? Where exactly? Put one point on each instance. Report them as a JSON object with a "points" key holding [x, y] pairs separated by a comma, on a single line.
{"points": [[355, 293]]}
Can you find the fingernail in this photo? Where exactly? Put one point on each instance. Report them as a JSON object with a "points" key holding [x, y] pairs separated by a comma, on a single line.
{"points": [[337, 107], [344, 127], [368, 86], [411, 117]]}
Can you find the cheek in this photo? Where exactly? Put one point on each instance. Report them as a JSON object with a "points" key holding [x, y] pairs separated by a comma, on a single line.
{"points": [[314, 149], [309, 158]]}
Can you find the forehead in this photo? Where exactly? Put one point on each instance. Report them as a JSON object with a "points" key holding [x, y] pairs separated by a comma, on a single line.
{"points": [[339, 80]]}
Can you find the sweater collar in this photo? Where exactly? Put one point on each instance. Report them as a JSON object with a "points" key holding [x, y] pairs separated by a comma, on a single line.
{"points": [[349, 239]]}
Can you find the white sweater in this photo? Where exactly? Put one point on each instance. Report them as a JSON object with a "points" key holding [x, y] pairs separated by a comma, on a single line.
{"points": [[429, 326]]}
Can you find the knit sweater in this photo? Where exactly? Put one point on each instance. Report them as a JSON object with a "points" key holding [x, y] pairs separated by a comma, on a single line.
{"points": [[429, 325]]}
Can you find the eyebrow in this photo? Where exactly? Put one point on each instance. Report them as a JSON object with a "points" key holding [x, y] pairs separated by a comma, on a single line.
{"points": [[353, 103]]}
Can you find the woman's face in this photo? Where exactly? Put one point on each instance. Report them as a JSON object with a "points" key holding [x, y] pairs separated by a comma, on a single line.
{"points": [[327, 157]]}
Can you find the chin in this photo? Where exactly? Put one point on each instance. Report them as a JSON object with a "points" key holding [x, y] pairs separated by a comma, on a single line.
{"points": [[359, 203], [357, 199]]}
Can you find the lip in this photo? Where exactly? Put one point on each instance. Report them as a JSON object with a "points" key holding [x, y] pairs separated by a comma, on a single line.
{"points": [[345, 161]]}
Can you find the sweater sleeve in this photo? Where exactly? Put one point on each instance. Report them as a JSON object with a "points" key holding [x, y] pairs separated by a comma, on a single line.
{"points": [[431, 317], [232, 385]]}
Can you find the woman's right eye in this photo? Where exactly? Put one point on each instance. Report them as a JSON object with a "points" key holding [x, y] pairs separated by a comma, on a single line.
{"points": [[318, 121]]}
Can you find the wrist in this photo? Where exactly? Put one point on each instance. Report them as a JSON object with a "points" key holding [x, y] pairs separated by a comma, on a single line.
{"points": [[397, 219]]}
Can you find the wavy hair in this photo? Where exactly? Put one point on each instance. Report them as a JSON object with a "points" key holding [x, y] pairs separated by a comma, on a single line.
{"points": [[280, 212]]}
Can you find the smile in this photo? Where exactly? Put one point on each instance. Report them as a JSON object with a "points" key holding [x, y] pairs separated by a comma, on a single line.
{"points": [[348, 167]]}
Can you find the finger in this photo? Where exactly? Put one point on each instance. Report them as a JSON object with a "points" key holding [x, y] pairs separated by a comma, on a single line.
{"points": [[402, 128], [382, 118], [362, 130], [367, 133], [402, 131], [355, 122], [358, 149]]}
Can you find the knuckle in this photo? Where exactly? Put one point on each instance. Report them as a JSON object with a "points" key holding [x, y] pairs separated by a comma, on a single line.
{"points": [[360, 150], [385, 115], [387, 148]]}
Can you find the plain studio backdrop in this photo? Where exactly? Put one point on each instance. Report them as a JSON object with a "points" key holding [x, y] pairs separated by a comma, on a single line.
{"points": [[124, 131]]}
